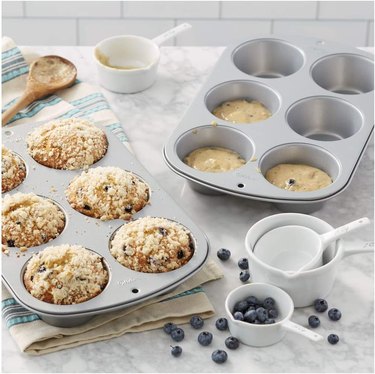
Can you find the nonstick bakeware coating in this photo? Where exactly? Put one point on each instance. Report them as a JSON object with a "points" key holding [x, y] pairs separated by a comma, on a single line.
{"points": [[321, 98], [125, 287]]}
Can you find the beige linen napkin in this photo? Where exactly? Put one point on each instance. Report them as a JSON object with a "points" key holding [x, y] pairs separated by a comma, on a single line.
{"points": [[31, 334]]}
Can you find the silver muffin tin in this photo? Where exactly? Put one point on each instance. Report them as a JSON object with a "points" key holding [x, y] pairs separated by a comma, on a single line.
{"points": [[321, 98], [125, 287]]}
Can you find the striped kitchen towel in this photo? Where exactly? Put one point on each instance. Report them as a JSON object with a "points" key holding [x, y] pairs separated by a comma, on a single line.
{"points": [[33, 335]]}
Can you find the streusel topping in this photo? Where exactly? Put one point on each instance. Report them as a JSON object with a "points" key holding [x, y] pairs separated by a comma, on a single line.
{"points": [[152, 245], [72, 143], [65, 274], [29, 220], [13, 170]]}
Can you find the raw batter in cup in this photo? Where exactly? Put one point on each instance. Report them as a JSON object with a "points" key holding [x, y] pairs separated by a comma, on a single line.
{"points": [[298, 177], [242, 111], [214, 159]]}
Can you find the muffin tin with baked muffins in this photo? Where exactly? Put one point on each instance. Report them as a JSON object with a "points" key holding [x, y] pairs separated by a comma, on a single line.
{"points": [[321, 98], [124, 286]]}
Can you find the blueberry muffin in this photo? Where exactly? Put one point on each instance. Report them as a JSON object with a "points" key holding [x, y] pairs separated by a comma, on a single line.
{"points": [[298, 177], [65, 274], [107, 193], [72, 143], [29, 220], [13, 170], [152, 245]]}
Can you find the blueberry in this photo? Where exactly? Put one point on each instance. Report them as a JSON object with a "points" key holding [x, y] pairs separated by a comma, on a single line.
{"points": [[333, 338], [314, 321], [250, 316], [243, 263], [273, 313], [269, 321], [169, 327], [238, 316], [205, 338], [232, 343], [334, 314], [196, 322], [219, 356], [223, 254], [244, 276], [221, 324], [320, 305], [177, 334], [252, 300], [262, 314], [240, 306], [176, 351], [269, 303]]}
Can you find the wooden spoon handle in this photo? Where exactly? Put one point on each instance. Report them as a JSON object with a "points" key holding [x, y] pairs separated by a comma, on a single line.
{"points": [[26, 99]]}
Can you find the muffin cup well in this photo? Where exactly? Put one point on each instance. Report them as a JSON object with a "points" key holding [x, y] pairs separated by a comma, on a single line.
{"points": [[241, 89], [344, 73], [324, 118], [268, 58], [300, 153]]}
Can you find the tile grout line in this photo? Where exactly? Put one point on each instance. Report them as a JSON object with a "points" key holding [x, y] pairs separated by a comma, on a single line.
{"points": [[220, 9], [317, 10], [77, 32]]}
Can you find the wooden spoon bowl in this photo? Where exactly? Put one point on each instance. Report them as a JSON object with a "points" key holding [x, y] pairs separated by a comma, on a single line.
{"points": [[47, 75]]}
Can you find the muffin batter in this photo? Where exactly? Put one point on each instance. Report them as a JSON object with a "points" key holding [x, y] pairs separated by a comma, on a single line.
{"points": [[214, 159], [242, 111], [298, 177]]}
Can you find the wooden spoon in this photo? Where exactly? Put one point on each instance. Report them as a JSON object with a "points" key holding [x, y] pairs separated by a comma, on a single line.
{"points": [[47, 75]]}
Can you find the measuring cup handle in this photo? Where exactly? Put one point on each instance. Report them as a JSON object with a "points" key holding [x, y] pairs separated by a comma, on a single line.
{"points": [[171, 33], [356, 247], [298, 329], [329, 237]]}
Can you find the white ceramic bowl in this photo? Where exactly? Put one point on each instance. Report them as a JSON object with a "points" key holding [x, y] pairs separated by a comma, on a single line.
{"points": [[308, 285], [264, 335], [138, 57]]}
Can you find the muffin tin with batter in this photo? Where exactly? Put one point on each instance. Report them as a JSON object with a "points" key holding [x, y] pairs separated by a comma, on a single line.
{"points": [[321, 98], [125, 286]]}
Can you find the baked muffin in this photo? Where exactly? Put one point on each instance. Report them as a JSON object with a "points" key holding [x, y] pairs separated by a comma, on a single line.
{"points": [[29, 220], [72, 143], [13, 170], [65, 274], [298, 177], [152, 245], [107, 193]]}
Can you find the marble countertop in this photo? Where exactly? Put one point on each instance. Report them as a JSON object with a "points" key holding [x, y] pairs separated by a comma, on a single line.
{"points": [[149, 118]]}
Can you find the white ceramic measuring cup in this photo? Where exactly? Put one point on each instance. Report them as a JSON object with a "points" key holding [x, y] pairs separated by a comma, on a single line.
{"points": [[308, 285], [295, 248], [128, 63], [264, 335]]}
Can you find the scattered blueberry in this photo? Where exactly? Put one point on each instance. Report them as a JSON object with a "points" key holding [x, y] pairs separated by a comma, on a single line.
{"points": [[177, 334], [273, 313], [238, 316], [223, 254], [334, 314], [320, 305], [243, 263], [219, 356], [196, 322], [240, 306], [269, 303], [169, 327], [205, 338], [314, 321], [221, 324], [333, 338], [250, 316], [262, 314], [244, 276], [176, 351], [232, 343]]}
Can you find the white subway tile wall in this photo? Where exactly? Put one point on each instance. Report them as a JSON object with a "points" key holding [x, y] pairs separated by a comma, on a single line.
{"points": [[215, 23]]}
